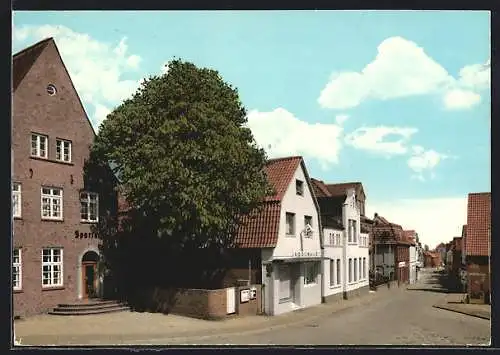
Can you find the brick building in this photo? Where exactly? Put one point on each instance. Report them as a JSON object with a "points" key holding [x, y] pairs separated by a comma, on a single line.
{"points": [[55, 245], [478, 246]]}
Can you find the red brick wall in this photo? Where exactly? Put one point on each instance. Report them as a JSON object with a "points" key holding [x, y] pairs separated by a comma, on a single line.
{"points": [[59, 116], [200, 303]]}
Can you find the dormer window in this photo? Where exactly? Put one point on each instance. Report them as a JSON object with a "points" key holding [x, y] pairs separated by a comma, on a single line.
{"points": [[299, 187]]}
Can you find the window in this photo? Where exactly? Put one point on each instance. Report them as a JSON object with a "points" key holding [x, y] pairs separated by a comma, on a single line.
{"points": [[350, 270], [364, 268], [16, 199], [51, 90], [332, 272], [354, 232], [359, 269], [311, 273], [52, 203], [290, 224], [284, 276], [338, 237], [63, 150], [308, 220], [331, 239], [52, 267], [299, 187], [355, 270], [39, 145], [89, 207], [338, 272], [17, 271]]}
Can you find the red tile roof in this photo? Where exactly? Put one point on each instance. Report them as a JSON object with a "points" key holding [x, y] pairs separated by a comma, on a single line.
{"points": [[320, 188], [260, 229], [280, 173], [477, 242], [23, 60]]}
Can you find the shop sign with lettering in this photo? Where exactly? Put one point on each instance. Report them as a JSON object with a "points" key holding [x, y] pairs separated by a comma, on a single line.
{"points": [[86, 235]]}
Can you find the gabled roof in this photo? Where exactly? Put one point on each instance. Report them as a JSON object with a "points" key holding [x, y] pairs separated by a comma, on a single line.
{"points": [[23, 60], [457, 244], [478, 238], [320, 188], [341, 188], [279, 173], [260, 229]]}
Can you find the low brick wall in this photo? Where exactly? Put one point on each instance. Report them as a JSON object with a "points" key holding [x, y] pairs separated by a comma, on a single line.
{"points": [[196, 303], [337, 297]]}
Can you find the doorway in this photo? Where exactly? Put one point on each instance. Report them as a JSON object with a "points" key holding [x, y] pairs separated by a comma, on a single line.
{"points": [[89, 274]]}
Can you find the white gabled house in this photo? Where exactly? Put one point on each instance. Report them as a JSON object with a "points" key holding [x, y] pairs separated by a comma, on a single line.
{"points": [[287, 232], [346, 258]]}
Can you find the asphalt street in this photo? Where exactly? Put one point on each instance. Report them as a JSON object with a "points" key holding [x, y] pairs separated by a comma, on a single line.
{"points": [[404, 317]]}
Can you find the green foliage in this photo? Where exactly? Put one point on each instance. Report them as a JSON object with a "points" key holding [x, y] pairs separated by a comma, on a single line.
{"points": [[186, 161]]}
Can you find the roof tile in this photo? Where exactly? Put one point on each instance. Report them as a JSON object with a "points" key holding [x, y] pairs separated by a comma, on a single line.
{"points": [[477, 242]]}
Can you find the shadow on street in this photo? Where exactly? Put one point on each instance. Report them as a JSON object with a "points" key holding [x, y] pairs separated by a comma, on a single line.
{"points": [[439, 281]]}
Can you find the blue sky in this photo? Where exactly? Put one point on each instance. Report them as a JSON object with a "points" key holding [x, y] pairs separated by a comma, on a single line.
{"points": [[397, 100]]}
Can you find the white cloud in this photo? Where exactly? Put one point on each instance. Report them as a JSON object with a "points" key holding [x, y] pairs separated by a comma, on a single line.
{"points": [[164, 68], [100, 114], [96, 68], [401, 68], [280, 133], [476, 76], [374, 139], [458, 99], [340, 119], [423, 161], [435, 220]]}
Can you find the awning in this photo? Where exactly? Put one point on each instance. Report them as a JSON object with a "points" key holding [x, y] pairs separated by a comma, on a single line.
{"points": [[299, 260]]}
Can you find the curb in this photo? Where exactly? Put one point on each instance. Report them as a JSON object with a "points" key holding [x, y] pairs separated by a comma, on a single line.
{"points": [[444, 307]]}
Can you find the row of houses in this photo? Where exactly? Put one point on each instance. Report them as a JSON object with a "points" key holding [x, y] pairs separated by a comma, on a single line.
{"points": [[310, 243], [467, 257]]}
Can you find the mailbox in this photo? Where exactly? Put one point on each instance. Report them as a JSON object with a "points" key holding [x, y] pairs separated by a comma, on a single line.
{"points": [[253, 293]]}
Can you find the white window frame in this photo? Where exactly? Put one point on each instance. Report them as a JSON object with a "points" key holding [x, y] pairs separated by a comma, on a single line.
{"points": [[51, 264], [355, 262], [339, 273], [16, 195], [38, 142], [332, 272], [308, 234], [17, 269], [299, 187], [310, 267], [87, 202], [52, 198], [350, 270], [60, 146], [292, 224]]}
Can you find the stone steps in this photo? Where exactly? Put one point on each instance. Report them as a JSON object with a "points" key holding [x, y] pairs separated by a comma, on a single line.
{"points": [[89, 308]]}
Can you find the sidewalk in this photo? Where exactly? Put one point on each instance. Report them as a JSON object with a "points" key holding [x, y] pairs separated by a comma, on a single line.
{"points": [[453, 303], [132, 327]]}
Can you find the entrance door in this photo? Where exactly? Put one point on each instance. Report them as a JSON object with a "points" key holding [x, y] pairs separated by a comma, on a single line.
{"points": [[89, 274], [89, 279]]}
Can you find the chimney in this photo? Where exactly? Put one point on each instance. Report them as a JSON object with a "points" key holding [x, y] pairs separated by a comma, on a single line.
{"points": [[376, 215]]}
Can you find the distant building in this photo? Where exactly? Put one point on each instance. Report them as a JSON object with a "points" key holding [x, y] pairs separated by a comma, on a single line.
{"points": [[346, 263], [478, 246]]}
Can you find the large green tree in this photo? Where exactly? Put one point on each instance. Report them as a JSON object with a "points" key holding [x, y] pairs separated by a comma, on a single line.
{"points": [[185, 159]]}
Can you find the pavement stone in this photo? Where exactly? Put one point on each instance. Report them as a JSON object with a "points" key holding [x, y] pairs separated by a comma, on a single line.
{"points": [[132, 327]]}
